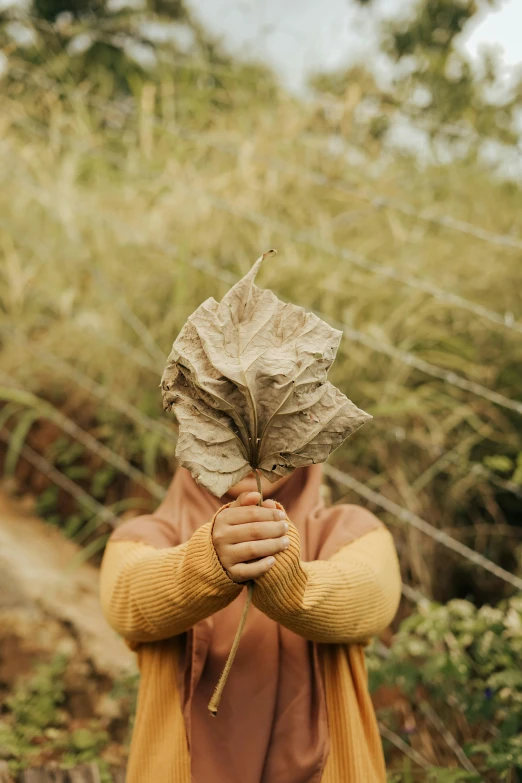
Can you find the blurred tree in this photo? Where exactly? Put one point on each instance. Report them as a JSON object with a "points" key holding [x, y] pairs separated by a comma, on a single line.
{"points": [[175, 9], [432, 78], [110, 45], [51, 9], [56, 51]]}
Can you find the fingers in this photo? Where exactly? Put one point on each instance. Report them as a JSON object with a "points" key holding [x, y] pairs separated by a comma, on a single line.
{"points": [[254, 531], [253, 550], [240, 516], [243, 572], [251, 499], [246, 499], [247, 536]]}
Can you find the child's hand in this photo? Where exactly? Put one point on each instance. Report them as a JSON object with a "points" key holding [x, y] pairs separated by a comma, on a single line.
{"points": [[247, 536]]}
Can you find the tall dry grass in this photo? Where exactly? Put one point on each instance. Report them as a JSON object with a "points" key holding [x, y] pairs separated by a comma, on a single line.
{"points": [[105, 204]]}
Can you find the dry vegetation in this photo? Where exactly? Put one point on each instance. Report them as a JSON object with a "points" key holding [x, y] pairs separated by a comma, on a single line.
{"points": [[106, 206], [119, 215]]}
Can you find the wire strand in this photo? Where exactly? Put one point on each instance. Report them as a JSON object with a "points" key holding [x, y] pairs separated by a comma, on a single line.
{"points": [[399, 743], [99, 391], [410, 518], [228, 278], [449, 376], [381, 201], [64, 482], [405, 515], [377, 200], [412, 594], [504, 320], [85, 438]]}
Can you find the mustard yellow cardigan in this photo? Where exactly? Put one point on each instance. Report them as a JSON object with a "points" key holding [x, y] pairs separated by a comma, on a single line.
{"points": [[151, 596]]}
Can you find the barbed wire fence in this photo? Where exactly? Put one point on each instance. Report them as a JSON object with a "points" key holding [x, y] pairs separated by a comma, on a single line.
{"points": [[153, 359], [377, 200], [448, 376], [206, 67], [228, 278], [380, 500], [504, 320], [404, 515]]}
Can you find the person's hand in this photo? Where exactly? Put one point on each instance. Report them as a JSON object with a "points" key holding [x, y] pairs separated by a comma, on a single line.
{"points": [[247, 536]]}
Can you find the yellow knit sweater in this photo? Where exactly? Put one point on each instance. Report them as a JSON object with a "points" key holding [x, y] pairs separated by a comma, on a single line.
{"points": [[151, 596]]}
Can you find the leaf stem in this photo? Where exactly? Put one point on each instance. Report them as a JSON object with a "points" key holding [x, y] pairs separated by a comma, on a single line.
{"points": [[218, 692], [259, 487]]}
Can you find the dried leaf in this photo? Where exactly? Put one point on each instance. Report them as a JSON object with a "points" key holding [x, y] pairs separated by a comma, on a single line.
{"points": [[246, 379]]}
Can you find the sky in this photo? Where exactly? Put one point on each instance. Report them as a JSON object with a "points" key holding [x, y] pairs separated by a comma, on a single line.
{"points": [[297, 37]]}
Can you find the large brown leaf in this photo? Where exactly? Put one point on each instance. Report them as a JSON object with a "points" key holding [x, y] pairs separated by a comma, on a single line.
{"points": [[246, 379]]}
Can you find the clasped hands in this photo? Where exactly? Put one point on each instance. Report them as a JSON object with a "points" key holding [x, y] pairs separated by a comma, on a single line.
{"points": [[247, 536]]}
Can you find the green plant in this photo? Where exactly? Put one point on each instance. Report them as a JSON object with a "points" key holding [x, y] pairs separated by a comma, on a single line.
{"points": [[506, 465], [464, 661], [36, 724], [84, 745], [125, 691], [438, 88], [34, 712]]}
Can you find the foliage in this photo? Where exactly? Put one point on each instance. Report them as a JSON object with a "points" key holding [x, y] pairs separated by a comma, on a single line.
{"points": [[36, 725], [452, 90], [433, 80], [510, 467], [115, 48], [139, 192], [103, 162], [464, 661]]}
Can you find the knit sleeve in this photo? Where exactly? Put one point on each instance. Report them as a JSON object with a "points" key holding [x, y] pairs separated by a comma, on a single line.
{"points": [[350, 597], [148, 594]]}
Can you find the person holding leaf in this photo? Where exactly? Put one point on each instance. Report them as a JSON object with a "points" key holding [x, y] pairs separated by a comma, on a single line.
{"points": [[243, 576]]}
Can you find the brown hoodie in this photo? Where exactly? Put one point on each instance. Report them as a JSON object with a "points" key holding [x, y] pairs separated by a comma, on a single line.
{"points": [[296, 708]]}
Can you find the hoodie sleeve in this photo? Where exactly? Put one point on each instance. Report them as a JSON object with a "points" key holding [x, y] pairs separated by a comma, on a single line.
{"points": [[350, 597], [148, 594]]}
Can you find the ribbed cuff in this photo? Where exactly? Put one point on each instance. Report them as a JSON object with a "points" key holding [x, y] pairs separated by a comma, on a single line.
{"points": [[280, 590], [211, 575]]}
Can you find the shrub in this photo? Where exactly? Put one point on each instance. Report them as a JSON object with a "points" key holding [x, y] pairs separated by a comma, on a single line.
{"points": [[464, 663]]}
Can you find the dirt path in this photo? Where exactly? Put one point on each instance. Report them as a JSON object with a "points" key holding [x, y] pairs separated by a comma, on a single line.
{"points": [[46, 604]]}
